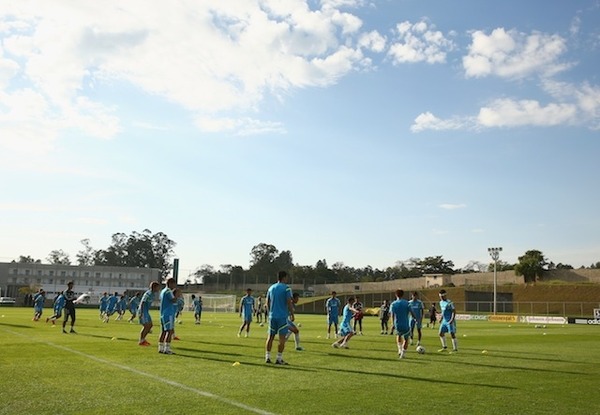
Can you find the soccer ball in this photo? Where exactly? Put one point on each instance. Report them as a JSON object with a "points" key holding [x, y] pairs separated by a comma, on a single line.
{"points": [[420, 350]]}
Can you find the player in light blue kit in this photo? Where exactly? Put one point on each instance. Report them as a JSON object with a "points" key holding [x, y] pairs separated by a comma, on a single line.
{"points": [[121, 307], [144, 312], [448, 323], [111, 306], [246, 312], [168, 309], [59, 304], [280, 306], [332, 306], [197, 303], [103, 305], [418, 310], [346, 331], [38, 304], [400, 311], [292, 328], [134, 304]]}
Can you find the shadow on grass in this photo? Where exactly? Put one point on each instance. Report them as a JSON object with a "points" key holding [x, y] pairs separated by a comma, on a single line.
{"points": [[412, 378], [21, 326]]}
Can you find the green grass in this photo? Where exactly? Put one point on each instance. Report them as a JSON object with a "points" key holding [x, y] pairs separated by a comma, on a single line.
{"points": [[523, 372]]}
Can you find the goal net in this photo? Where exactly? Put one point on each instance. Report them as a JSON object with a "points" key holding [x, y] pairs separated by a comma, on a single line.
{"points": [[212, 302]]}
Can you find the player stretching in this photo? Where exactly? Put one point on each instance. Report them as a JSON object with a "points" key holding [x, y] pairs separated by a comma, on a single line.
{"points": [[418, 310], [197, 303], [59, 304], [70, 296], [292, 326], [168, 308], [332, 306], [246, 312], [346, 331], [38, 304], [400, 311], [281, 308], [144, 312], [448, 323]]}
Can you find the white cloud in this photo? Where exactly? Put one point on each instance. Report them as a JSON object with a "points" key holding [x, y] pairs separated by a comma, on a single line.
{"points": [[512, 54], [452, 206], [510, 113], [418, 42], [207, 57], [428, 121]]}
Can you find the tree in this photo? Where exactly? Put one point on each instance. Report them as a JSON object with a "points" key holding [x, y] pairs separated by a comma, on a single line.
{"points": [[263, 266], [138, 250], [531, 266], [85, 257], [59, 257], [436, 265], [28, 260]]}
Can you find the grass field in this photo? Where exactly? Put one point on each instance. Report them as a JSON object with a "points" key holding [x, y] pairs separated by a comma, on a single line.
{"points": [[102, 370]]}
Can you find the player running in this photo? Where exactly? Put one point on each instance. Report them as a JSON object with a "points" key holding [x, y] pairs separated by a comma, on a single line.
{"points": [[346, 331], [418, 310], [121, 307], [134, 304], [111, 306], [144, 312], [246, 312], [332, 306], [103, 305], [292, 326], [59, 304], [38, 304], [448, 323], [400, 311]]}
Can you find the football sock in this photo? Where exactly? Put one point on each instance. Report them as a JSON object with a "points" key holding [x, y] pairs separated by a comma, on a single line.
{"points": [[455, 344], [279, 356], [297, 339], [443, 340]]}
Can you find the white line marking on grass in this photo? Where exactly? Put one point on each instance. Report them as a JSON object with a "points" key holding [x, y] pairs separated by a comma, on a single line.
{"points": [[153, 377]]}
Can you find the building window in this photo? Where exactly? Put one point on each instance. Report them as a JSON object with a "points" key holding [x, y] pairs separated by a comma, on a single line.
{"points": [[27, 271], [50, 281], [51, 273], [39, 280], [15, 271], [97, 283], [40, 272], [86, 274], [62, 282], [97, 275], [74, 273], [63, 273]]}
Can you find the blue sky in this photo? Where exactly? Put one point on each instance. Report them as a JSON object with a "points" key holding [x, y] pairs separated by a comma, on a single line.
{"points": [[356, 131]]}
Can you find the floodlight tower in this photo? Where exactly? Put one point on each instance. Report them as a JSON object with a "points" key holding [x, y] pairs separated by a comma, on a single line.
{"points": [[495, 254]]}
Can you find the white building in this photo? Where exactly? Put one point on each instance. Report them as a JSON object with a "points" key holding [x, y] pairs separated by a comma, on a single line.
{"points": [[93, 280]]}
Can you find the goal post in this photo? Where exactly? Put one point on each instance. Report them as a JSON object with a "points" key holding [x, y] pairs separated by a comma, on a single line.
{"points": [[216, 303]]}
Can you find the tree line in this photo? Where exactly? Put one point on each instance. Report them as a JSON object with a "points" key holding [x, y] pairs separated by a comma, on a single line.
{"points": [[156, 250]]}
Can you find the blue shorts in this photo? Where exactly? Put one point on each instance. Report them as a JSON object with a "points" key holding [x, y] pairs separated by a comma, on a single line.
{"points": [[333, 319], [446, 327], [58, 311], [38, 309], [345, 330], [145, 318], [278, 326], [167, 322], [290, 323], [402, 331], [417, 323], [247, 318]]}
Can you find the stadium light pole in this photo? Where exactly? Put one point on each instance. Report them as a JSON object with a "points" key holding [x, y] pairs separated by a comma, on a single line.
{"points": [[495, 254]]}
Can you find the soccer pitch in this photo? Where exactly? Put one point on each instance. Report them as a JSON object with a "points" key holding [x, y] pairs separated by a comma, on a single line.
{"points": [[525, 370]]}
